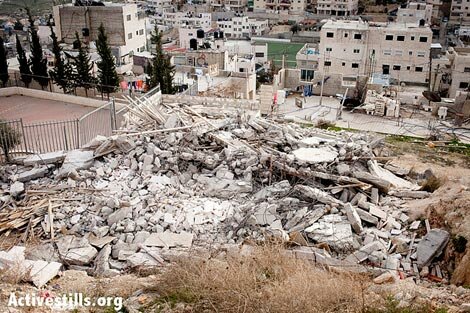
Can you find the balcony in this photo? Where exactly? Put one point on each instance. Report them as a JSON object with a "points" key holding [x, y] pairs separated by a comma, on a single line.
{"points": [[284, 3]]}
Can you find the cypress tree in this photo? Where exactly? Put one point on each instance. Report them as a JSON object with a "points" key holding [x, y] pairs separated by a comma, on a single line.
{"points": [[62, 73], [3, 64], [37, 60], [162, 70], [25, 71], [83, 67], [107, 75]]}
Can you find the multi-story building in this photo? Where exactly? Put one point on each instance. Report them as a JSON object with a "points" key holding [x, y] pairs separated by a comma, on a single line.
{"points": [[436, 7], [236, 6], [460, 12], [124, 24], [460, 69], [280, 6], [182, 19], [160, 6], [352, 48], [243, 27], [337, 7], [415, 12]]}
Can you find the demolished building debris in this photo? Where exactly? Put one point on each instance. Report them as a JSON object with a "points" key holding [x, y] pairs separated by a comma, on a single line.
{"points": [[179, 177]]}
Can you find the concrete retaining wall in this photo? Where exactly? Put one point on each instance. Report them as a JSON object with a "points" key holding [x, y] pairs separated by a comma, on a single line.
{"points": [[213, 102], [41, 94]]}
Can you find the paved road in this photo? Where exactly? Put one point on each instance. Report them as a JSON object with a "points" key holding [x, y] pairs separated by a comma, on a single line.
{"points": [[417, 127]]}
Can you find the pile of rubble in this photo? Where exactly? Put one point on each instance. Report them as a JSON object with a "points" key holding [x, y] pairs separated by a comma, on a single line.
{"points": [[183, 177]]}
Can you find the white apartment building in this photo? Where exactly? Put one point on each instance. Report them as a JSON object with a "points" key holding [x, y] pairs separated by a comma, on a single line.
{"points": [[160, 6], [353, 48], [280, 6], [237, 6], [414, 13], [124, 24], [337, 7], [243, 27], [460, 69], [460, 12], [182, 19]]}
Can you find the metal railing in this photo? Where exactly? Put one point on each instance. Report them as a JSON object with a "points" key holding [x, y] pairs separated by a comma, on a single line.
{"points": [[101, 121]]}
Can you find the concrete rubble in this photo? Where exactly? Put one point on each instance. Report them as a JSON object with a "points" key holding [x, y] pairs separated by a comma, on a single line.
{"points": [[138, 199]]}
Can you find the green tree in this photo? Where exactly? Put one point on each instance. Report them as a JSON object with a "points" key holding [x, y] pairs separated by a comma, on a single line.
{"points": [[83, 66], [37, 59], [107, 75], [9, 138], [62, 73], [3, 64], [25, 70], [162, 70]]}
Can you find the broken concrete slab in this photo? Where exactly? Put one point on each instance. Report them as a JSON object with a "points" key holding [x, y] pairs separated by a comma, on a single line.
{"points": [[41, 272], [34, 173], [100, 242], [353, 218], [80, 256], [315, 155], [375, 211], [367, 217], [44, 158], [75, 160], [411, 194], [431, 246], [119, 215], [169, 240]]}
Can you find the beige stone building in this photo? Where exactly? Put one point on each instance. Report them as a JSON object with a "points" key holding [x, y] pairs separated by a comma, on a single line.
{"points": [[243, 27], [237, 6], [280, 6], [125, 25], [415, 12], [460, 12], [460, 70], [353, 48], [337, 7]]}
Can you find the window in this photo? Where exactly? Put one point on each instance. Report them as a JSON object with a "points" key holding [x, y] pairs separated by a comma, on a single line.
{"points": [[412, 38], [259, 54], [136, 32], [345, 35], [141, 32], [355, 65], [418, 69], [129, 36], [356, 50], [357, 36], [128, 17], [423, 39], [142, 48], [327, 63], [410, 52], [306, 75], [387, 52], [398, 53], [466, 70], [420, 54], [463, 85], [400, 38], [388, 37], [329, 35], [408, 68], [396, 67], [328, 49], [343, 64]]}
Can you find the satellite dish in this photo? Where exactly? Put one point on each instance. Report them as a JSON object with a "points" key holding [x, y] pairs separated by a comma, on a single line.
{"points": [[432, 96]]}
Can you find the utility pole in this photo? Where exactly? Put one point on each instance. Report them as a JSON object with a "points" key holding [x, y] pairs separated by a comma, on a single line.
{"points": [[325, 71], [430, 68]]}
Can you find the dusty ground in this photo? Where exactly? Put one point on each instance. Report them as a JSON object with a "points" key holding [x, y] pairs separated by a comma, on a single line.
{"points": [[39, 110]]}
